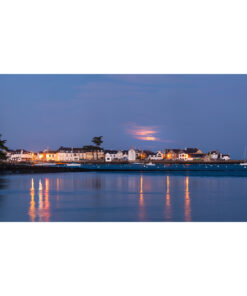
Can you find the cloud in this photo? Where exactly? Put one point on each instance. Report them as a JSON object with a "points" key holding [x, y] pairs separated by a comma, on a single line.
{"points": [[147, 138], [144, 133]]}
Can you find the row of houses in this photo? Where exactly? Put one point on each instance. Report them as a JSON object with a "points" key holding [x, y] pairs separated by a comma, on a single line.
{"points": [[187, 154], [63, 154], [89, 153], [66, 154]]}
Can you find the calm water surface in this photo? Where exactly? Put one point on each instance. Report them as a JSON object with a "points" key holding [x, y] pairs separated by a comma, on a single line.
{"points": [[122, 197]]}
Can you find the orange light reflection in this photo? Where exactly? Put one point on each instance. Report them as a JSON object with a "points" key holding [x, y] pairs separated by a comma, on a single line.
{"points": [[168, 199], [44, 203], [40, 200], [46, 212], [57, 184], [187, 208], [32, 212], [141, 201]]}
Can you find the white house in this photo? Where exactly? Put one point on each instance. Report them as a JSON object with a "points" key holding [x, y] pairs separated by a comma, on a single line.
{"points": [[70, 154], [214, 155], [225, 156], [157, 156], [119, 155], [108, 157], [131, 155], [111, 155], [122, 155], [20, 155], [183, 156], [8, 154], [125, 155]]}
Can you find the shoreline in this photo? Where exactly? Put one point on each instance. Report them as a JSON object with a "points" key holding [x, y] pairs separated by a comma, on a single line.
{"points": [[169, 167]]}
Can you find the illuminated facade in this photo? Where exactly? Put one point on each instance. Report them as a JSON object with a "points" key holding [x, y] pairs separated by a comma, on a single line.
{"points": [[183, 156], [188, 154], [93, 153], [78, 154], [70, 154], [51, 156], [46, 155], [172, 154], [158, 156], [20, 155]]}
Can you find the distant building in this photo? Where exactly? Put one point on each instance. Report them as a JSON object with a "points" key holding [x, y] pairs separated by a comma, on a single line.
{"points": [[186, 154], [206, 157], [51, 155], [183, 155], [214, 155], [40, 156], [46, 155], [144, 154], [67, 154], [192, 151], [120, 155], [158, 156], [131, 155], [125, 155], [108, 157], [225, 156], [9, 153], [111, 155], [172, 154], [194, 154], [198, 156], [20, 155], [93, 153]]}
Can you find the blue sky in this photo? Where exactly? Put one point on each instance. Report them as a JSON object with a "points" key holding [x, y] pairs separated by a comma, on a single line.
{"points": [[143, 111]]}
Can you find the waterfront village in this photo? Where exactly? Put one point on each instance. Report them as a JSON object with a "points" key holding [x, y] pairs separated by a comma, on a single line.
{"points": [[98, 154]]}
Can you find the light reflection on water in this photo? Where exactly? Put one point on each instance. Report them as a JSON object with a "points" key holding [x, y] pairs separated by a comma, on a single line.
{"points": [[168, 210], [187, 208], [46, 212], [141, 203], [57, 184], [122, 197], [32, 211], [168, 206], [40, 203], [43, 210]]}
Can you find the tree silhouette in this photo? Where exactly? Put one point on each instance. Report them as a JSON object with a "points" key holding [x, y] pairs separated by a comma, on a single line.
{"points": [[97, 141], [2, 148]]}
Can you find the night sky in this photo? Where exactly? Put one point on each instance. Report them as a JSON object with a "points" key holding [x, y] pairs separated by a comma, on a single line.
{"points": [[141, 111]]}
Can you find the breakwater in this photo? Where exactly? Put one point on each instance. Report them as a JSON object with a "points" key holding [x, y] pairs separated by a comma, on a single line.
{"points": [[32, 169], [233, 168]]}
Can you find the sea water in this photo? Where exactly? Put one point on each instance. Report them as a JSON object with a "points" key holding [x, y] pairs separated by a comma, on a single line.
{"points": [[122, 197]]}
